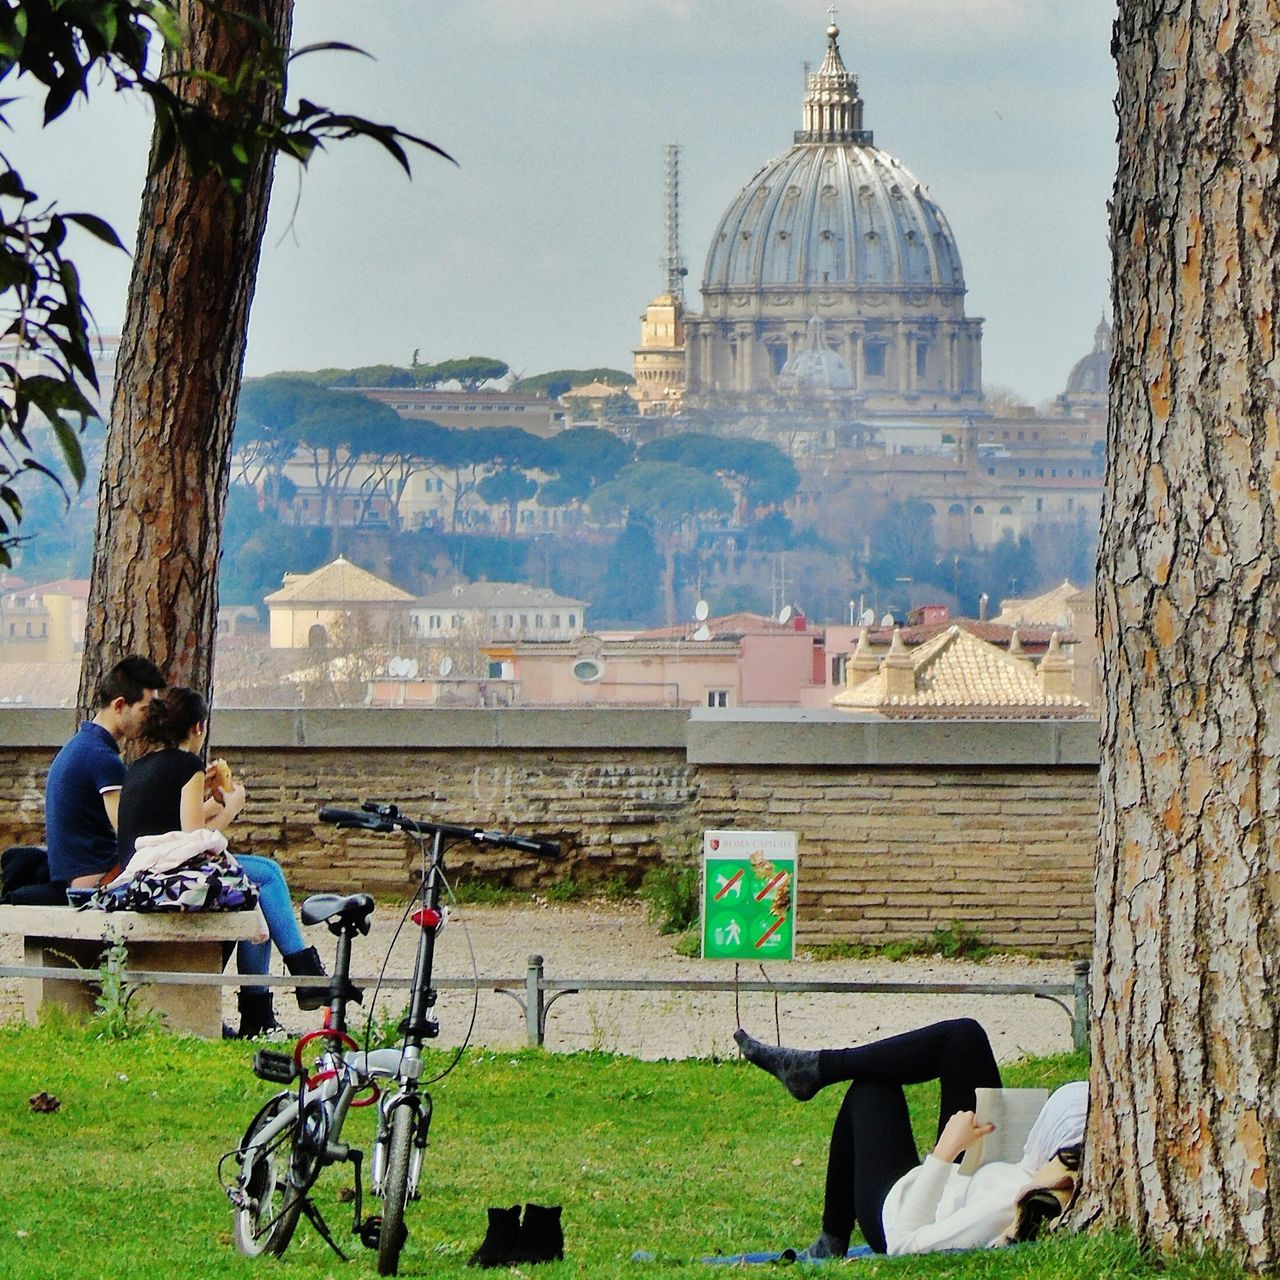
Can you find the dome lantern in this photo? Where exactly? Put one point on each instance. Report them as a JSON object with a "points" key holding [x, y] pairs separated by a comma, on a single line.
{"points": [[832, 106]]}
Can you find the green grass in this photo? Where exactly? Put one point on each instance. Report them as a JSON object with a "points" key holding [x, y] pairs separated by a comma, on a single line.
{"points": [[678, 1158], [957, 941]]}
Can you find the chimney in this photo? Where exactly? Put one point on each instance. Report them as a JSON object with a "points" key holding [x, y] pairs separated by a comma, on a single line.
{"points": [[1015, 648], [899, 671], [1056, 671], [862, 664]]}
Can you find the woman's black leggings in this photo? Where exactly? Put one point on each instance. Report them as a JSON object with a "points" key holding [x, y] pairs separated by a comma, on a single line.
{"points": [[871, 1144]]}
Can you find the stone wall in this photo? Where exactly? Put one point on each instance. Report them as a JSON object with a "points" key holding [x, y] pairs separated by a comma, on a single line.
{"points": [[902, 826]]}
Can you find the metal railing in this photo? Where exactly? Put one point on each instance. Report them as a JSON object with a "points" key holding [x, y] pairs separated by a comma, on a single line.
{"points": [[535, 993]]}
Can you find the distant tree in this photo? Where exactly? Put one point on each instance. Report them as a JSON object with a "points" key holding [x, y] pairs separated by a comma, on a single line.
{"points": [[375, 375], [470, 372], [508, 487], [765, 474], [563, 379], [903, 544], [632, 578], [1004, 402], [582, 458], [670, 498]]}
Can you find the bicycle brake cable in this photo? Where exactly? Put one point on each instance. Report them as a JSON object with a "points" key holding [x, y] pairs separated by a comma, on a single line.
{"points": [[475, 992]]}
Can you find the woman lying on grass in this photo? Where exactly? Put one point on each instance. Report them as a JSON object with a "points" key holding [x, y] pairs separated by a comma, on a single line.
{"points": [[875, 1178]]}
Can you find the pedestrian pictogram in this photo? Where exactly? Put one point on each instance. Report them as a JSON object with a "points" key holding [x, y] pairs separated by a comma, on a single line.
{"points": [[748, 898]]}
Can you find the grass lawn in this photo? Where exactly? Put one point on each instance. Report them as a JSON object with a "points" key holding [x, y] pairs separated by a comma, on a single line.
{"points": [[680, 1159]]}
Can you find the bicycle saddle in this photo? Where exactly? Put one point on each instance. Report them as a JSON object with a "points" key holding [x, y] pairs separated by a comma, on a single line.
{"points": [[339, 912]]}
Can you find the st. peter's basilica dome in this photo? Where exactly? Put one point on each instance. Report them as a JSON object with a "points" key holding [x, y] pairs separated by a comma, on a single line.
{"points": [[838, 229]]}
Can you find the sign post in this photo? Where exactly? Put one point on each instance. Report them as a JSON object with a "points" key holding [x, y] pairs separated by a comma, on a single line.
{"points": [[749, 895]]}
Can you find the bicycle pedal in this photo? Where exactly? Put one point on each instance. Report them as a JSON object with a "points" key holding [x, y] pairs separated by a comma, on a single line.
{"points": [[279, 1068], [370, 1232]]}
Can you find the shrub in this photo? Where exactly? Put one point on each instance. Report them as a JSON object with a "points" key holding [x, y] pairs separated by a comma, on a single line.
{"points": [[672, 891]]}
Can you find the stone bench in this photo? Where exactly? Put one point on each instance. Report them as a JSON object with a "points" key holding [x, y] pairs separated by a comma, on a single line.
{"points": [[191, 942]]}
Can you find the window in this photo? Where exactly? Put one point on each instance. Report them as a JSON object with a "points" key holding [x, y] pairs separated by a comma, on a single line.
{"points": [[537, 621], [991, 471], [838, 666], [1039, 504], [1040, 472], [434, 622], [955, 509], [555, 620], [524, 619], [873, 354], [979, 511], [717, 697], [922, 359], [509, 621], [588, 670], [573, 619]]}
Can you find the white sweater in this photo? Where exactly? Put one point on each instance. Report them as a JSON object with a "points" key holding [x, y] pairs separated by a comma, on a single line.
{"points": [[936, 1207]]}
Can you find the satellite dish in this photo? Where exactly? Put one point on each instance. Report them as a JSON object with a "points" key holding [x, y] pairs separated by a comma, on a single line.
{"points": [[702, 633], [446, 665], [867, 618], [702, 611], [785, 616], [887, 620], [397, 668], [410, 668]]}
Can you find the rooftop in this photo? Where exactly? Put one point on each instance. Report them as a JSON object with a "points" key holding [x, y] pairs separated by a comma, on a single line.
{"points": [[339, 582]]}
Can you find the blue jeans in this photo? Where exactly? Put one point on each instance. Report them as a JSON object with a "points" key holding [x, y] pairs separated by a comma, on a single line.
{"points": [[277, 910]]}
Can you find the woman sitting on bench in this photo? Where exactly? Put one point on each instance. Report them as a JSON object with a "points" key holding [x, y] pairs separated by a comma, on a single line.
{"points": [[169, 789], [875, 1178]]}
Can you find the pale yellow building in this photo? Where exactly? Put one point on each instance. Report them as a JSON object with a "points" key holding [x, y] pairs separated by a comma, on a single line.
{"points": [[43, 623], [339, 603]]}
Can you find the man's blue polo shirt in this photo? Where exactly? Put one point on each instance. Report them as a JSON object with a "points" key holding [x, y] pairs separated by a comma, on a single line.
{"points": [[79, 834]]}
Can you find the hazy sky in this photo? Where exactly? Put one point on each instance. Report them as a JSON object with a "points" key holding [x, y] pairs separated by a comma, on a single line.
{"points": [[543, 247]]}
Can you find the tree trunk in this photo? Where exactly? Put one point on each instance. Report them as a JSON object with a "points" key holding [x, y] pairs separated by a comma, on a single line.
{"points": [[163, 487], [1184, 1141]]}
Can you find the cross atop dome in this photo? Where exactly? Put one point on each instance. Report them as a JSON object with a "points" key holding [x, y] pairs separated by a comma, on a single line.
{"points": [[832, 106]]}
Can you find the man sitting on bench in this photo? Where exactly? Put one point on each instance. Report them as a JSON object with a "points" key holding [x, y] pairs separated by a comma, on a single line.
{"points": [[82, 791]]}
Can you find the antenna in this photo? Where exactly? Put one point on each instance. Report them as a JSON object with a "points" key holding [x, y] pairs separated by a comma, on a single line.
{"points": [[674, 263]]}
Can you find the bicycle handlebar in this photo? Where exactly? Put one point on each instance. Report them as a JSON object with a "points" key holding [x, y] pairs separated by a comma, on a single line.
{"points": [[385, 818]]}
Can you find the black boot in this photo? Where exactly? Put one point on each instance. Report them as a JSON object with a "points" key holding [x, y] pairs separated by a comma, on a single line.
{"points": [[541, 1236], [257, 1015], [307, 964], [498, 1246]]}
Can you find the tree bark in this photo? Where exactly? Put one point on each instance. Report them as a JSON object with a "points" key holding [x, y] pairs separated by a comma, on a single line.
{"points": [[1184, 1142], [163, 487]]}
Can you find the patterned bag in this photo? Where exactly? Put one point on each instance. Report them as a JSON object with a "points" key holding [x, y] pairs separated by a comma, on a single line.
{"points": [[206, 882]]}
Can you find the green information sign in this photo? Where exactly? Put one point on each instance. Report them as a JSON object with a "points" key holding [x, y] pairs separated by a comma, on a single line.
{"points": [[749, 895]]}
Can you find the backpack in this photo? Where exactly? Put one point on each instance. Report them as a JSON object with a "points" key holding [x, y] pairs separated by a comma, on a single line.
{"points": [[204, 882]]}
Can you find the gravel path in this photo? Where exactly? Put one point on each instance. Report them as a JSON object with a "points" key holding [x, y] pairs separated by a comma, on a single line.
{"points": [[614, 940]]}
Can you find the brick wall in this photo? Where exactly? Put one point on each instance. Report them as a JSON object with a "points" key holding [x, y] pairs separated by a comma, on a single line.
{"points": [[896, 837]]}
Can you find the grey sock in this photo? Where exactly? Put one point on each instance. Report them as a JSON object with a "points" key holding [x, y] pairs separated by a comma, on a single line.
{"points": [[828, 1246], [797, 1069]]}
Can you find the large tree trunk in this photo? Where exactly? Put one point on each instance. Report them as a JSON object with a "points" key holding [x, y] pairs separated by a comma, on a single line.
{"points": [[164, 480], [1185, 1124]]}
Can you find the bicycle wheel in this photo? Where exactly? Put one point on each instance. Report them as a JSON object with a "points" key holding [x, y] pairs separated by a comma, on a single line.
{"points": [[395, 1191], [265, 1223]]}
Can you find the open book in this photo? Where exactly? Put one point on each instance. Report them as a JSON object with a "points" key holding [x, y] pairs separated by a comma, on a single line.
{"points": [[1013, 1112]]}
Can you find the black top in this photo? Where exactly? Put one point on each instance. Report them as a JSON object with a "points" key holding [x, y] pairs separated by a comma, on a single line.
{"points": [[151, 799]]}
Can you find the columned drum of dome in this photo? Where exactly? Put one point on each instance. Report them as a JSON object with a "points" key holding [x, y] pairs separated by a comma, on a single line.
{"points": [[838, 229]]}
